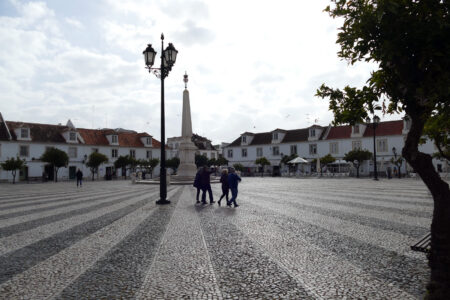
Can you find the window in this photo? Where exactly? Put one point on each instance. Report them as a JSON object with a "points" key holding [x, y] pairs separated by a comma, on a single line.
{"points": [[356, 129], [205, 154], [313, 149], [259, 152], [244, 152], [24, 133], [276, 151], [72, 136], [382, 145], [293, 149], [149, 154], [230, 153], [73, 152], [149, 141], [334, 148], [275, 135], [213, 155], [24, 151], [114, 139], [312, 132], [132, 153], [95, 150], [356, 145], [114, 153], [244, 139]]}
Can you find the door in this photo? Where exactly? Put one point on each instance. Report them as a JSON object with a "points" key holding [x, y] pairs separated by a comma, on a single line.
{"points": [[23, 174], [50, 174], [72, 172]]}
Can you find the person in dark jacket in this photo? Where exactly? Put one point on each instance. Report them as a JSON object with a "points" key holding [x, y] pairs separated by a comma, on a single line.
{"points": [[197, 183], [205, 183], [233, 181], [225, 187], [79, 178]]}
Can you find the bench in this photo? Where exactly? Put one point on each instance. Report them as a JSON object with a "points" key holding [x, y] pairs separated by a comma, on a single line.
{"points": [[423, 245]]}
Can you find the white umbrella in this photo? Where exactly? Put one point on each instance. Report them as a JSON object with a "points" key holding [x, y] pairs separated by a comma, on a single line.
{"points": [[298, 160]]}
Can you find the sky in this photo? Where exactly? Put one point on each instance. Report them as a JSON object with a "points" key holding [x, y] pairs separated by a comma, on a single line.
{"points": [[253, 65]]}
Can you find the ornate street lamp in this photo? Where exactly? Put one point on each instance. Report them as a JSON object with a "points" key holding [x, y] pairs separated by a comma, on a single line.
{"points": [[168, 58], [376, 120]]}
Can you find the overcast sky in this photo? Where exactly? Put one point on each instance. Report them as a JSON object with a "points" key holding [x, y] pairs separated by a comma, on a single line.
{"points": [[252, 65]]}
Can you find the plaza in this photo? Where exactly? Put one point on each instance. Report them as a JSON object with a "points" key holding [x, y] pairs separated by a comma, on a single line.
{"points": [[289, 239]]}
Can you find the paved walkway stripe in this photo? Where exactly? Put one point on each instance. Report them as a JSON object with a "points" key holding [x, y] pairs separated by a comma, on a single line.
{"points": [[401, 270], [45, 206], [181, 268], [241, 267], [29, 222], [48, 278], [25, 238], [22, 259], [119, 273]]}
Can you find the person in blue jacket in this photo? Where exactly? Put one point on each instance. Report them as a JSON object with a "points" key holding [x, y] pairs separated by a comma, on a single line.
{"points": [[233, 181]]}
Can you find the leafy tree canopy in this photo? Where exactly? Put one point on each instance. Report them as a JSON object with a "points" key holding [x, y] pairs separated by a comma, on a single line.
{"points": [[173, 163], [13, 164], [222, 161], [122, 162], [262, 161], [287, 158], [95, 159], [327, 159], [200, 160], [55, 157], [357, 155], [238, 167]]}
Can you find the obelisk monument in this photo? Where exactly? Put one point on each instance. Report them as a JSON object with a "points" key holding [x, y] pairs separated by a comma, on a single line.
{"points": [[186, 150]]}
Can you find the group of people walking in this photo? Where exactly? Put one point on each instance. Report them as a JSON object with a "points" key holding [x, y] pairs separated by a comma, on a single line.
{"points": [[229, 182]]}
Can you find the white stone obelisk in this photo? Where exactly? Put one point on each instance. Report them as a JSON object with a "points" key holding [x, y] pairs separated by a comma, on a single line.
{"points": [[187, 148]]}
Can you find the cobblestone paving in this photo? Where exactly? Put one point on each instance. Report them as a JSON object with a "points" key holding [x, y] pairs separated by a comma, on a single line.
{"points": [[289, 239]]}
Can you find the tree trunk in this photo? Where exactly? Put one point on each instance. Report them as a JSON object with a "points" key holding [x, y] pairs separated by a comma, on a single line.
{"points": [[56, 174], [357, 171], [14, 176], [439, 258]]}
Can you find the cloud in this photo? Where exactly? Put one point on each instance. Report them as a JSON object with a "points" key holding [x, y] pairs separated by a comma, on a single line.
{"points": [[193, 34], [75, 23]]}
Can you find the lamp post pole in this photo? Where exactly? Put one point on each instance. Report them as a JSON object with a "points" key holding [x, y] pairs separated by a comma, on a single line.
{"points": [[376, 119], [162, 172], [168, 57]]}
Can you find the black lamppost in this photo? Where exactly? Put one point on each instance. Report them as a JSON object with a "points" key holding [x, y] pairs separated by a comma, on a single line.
{"points": [[168, 58], [376, 120]]}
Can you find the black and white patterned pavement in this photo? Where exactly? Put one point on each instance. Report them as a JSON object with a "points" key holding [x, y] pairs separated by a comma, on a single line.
{"points": [[289, 239]]}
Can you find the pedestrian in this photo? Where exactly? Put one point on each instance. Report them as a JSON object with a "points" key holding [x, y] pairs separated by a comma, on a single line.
{"points": [[233, 181], [205, 183], [197, 183], [79, 178], [225, 186]]}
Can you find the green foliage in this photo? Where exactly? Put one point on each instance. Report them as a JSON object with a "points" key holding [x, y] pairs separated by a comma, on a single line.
{"points": [[262, 161], [55, 157], [200, 160], [437, 128], [238, 167], [287, 158], [173, 163], [211, 162], [122, 162], [95, 159], [13, 164], [356, 157], [222, 161], [327, 159]]}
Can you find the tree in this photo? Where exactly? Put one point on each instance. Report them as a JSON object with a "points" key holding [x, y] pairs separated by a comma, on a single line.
{"points": [[238, 167], [211, 162], [437, 129], [95, 159], [356, 157], [200, 160], [173, 163], [327, 159], [57, 158], [409, 42], [13, 164], [222, 161], [122, 162], [152, 164], [262, 161]]}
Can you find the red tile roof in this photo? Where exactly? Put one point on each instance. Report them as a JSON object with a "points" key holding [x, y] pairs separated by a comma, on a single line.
{"points": [[386, 128], [93, 136], [339, 132], [39, 132]]}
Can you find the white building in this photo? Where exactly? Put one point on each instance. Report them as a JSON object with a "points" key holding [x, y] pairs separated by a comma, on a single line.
{"points": [[318, 141], [30, 140]]}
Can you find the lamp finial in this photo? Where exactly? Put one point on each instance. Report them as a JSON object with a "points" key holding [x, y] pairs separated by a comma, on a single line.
{"points": [[185, 79]]}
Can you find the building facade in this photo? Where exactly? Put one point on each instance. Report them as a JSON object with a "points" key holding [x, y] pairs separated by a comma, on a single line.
{"points": [[317, 141], [29, 141]]}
